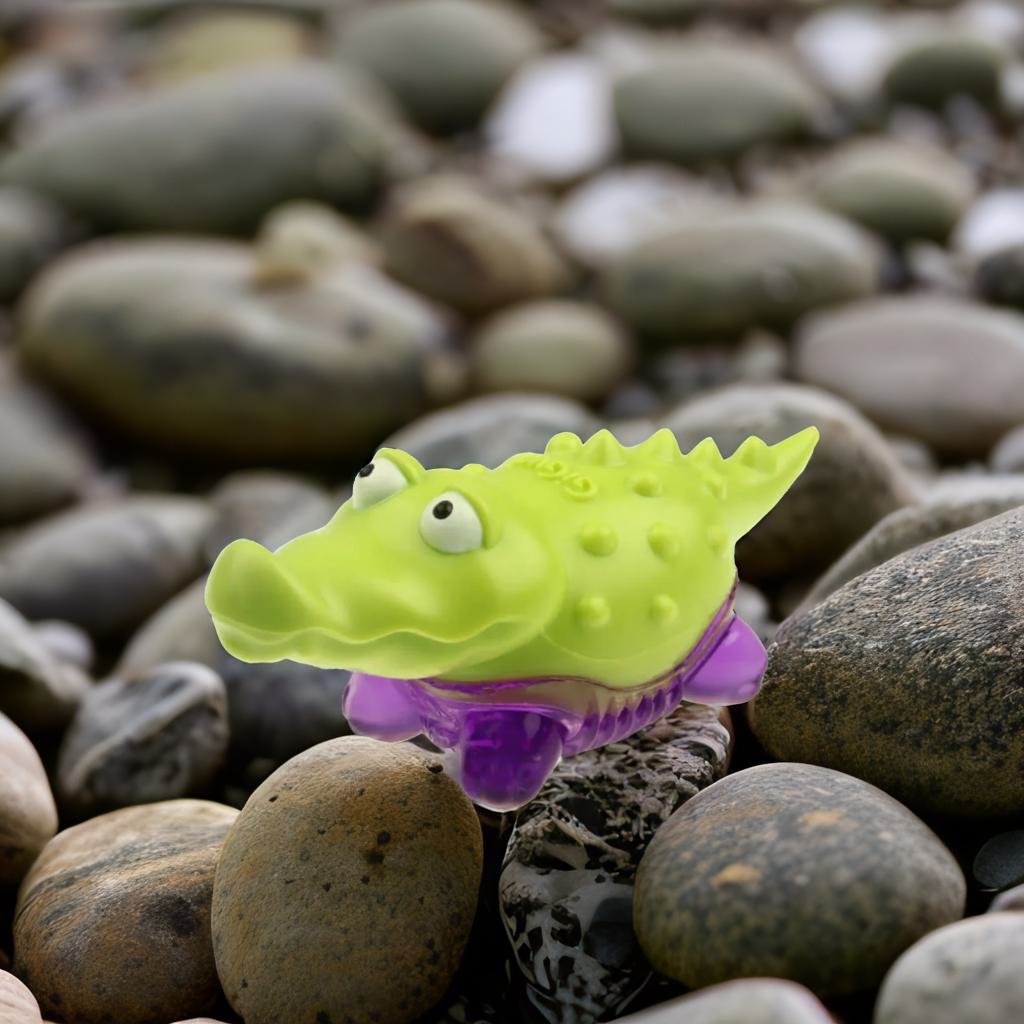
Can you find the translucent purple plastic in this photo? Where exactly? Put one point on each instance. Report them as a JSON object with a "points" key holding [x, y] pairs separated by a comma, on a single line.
{"points": [[504, 737]]}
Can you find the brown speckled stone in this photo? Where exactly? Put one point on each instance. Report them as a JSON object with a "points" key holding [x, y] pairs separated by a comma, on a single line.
{"points": [[922, 654], [112, 922], [747, 1001], [967, 973], [791, 871], [28, 817], [347, 887], [17, 1004]]}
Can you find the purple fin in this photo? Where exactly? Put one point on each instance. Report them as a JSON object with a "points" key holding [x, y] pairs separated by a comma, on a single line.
{"points": [[381, 708], [732, 673]]}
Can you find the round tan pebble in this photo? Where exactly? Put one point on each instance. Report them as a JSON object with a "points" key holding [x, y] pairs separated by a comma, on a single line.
{"points": [[347, 887]]}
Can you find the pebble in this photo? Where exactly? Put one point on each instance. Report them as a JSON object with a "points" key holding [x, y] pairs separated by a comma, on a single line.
{"points": [[32, 230], [67, 643], [968, 971], [791, 871], [941, 65], [353, 870], [45, 462], [1008, 454], [921, 653], [136, 552], [999, 864], [999, 278], [491, 429], [708, 100], [17, 1004], [40, 693], [214, 153], [994, 223], [747, 1000], [28, 816], [227, 367], [940, 369], [449, 240], [569, 348], [761, 264], [445, 60], [851, 457], [139, 741], [112, 921], [900, 190], [1010, 899], [553, 121], [566, 887], [906, 528]]}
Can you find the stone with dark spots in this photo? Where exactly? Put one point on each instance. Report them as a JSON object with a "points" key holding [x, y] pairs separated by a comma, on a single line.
{"points": [[815, 521], [106, 566], [383, 942], [948, 510], [566, 888], [275, 710], [968, 971], [745, 1001], [924, 653], [999, 864], [28, 817], [213, 362], [791, 871], [112, 921], [489, 430], [17, 1004], [140, 740], [215, 153], [37, 691]]}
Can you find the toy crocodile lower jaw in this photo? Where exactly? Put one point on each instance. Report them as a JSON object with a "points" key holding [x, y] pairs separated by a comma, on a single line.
{"points": [[505, 736]]}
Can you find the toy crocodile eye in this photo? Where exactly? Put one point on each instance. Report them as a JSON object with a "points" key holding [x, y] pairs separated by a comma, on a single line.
{"points": [[376, 481], [450, 524]]}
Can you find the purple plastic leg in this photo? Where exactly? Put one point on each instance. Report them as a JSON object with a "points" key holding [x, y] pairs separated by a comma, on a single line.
{"points": [[504, 756], [381, 708], [732, 674]]}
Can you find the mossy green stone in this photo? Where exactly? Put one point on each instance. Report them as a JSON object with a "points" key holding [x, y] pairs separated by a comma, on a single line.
{"points": [[791, 871]]}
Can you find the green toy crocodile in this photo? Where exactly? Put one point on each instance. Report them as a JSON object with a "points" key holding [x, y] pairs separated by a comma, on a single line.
{"points": [[514, 615]]}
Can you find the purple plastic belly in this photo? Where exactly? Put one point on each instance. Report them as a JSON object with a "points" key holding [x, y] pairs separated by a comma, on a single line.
{"points": [[509, 734]]}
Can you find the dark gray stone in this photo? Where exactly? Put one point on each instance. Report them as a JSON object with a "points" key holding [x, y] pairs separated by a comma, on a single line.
{"points": [[138, 741], [566, 888], [791, 871], [999, 864], [911, 676]]}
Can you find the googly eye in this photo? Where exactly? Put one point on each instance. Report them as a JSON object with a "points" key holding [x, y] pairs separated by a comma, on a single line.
{"points": [[450, 524], [376, 481]]}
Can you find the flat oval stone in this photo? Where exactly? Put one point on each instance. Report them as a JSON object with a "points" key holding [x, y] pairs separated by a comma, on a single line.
{"points": [[940, 369], [137, 741], [940, 65], [762, 264], [28, 816], [566, 886], [354, 870], [321, 368], [709, 100], [999, 864], [568, 348], [796, 537], [112, 921], [750, 1000], [968, 971], [17, 1004], [444, 59], [214, 153], [921, 653], [939, 514], [902, 191], [136, 553], [449, 240], [791, 871], [40, 693]]}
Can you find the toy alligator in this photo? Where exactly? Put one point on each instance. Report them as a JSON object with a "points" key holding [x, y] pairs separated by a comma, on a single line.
{"points": [[555, 604]]}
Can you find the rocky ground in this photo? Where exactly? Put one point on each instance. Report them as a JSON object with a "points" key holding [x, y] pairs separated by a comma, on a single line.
{"points": [[242, 244]]}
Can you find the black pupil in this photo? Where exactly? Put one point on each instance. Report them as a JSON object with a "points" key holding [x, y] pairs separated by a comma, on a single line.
{"points": [[366, 470], [442, 510]]}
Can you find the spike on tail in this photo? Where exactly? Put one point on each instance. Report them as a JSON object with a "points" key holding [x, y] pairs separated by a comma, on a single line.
{"points": [[661, 445], [602, 449]]}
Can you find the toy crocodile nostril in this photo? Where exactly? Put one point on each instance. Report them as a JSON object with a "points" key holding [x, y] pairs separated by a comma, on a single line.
{"points": [[561, 602]]}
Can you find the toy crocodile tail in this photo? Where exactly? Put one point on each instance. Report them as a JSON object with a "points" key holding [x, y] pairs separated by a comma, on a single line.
{"points": [[751, 481]]}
